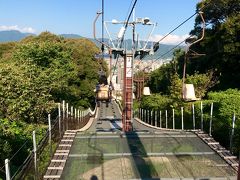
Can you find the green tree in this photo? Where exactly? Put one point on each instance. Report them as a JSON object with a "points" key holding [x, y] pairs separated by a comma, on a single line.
{"points": [[155, 101], [46, 69], [87, 67], [35, 73], [226, 104], [175, 87], [202, 82], [160, 79], [221, 42]]}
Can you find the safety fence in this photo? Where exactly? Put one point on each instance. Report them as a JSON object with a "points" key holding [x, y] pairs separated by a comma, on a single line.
{"points": [[40, 151], [195, 119]]}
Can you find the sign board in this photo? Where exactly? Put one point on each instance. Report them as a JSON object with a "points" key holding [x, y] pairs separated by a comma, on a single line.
{"points": [[129, 62], [129, 67], [128, 72]]}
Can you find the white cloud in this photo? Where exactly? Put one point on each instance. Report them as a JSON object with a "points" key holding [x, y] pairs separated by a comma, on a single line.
{"points": [[170, 39], [15, 27]]}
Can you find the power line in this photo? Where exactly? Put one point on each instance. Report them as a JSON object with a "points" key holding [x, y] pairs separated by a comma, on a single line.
{"points": [[130, 14], [162, 55], [128, 10], [200, 9], [102, 28], [177, 27], [205, 5]]}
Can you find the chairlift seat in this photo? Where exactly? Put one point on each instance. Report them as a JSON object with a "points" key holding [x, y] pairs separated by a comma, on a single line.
{"points": [[133, 96], [189, 93], [146, 91]]}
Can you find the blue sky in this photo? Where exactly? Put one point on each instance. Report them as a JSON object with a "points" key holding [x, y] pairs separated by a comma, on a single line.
{"points": [[76, 16]]}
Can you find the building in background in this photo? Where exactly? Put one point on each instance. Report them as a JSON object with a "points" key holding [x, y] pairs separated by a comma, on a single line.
{"points": [[139, 65]]}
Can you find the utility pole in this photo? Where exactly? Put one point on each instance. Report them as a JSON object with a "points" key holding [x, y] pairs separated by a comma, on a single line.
{"points": [[128, 56], [127, 113]]}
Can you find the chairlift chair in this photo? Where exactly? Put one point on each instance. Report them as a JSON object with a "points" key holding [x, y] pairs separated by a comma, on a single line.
{"points": [[146, 91], [133, 96], [189, 93]]}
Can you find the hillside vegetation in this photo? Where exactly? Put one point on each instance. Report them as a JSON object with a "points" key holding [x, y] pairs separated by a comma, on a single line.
{"points": [[36, 73], [215, 75]]}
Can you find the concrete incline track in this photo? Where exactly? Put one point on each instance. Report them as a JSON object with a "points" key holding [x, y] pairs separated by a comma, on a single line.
{"points": [[107, 119], [104, 152]]}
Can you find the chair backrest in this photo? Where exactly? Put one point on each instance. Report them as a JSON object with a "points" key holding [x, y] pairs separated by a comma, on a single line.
{"points": [[146, 91], [189, 92], [133, 96]]}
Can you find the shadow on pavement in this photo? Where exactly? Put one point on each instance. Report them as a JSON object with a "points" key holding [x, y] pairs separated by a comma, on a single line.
{"points": [[143, 167]]}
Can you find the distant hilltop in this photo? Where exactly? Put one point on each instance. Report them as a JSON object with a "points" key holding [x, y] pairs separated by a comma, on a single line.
{"points": [[14, 35]]}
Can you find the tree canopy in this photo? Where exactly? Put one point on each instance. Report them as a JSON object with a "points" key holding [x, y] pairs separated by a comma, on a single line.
{"points": [[40, 71], [221, 43], [35, 74], [215, 75]]}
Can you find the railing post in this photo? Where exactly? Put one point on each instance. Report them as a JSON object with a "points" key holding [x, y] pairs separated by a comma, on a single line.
{"points": [[7, 169], [59, 119], [160, 117], [50, 133], [148, 116], [151, 117], [64, 120], [173, 118], [67, 110], [156, 118], [81, 115], [193, 116], [232, 133], [145, 115], [75, 113], [211, 117], [35, 154], [201, 108], [140, 113], [182, 118], [71, 112], [63, 107], [166, 119]]}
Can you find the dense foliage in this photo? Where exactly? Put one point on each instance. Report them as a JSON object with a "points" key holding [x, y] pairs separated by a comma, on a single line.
{"points": [[215, 75], [226, 104], [35, 74], [43, 70], [221, 43]]}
